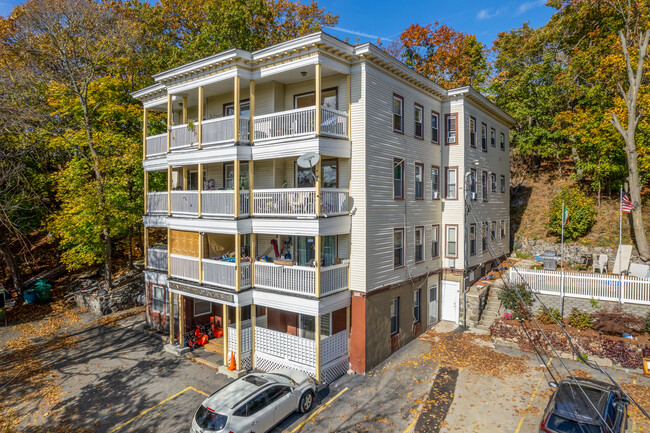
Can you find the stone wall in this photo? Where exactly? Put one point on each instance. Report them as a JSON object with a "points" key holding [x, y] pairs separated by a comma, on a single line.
{"points": [[552, 301], [477, 298], [572, 252], [102, 302]]}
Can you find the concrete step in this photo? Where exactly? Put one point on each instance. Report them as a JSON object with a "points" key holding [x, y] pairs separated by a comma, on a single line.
{"points": [[214, 345]]}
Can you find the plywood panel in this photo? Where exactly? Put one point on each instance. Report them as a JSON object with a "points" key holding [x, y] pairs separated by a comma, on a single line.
{"points": [[184, 243]]}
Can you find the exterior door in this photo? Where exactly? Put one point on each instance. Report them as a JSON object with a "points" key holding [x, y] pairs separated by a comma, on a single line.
{"points": [[449, 298], [433, 304]]}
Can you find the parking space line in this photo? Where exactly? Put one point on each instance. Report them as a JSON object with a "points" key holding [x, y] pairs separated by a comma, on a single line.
{"points": [[152, 408], [532, 398], [205, 394], [408, 429], [320, 409]]}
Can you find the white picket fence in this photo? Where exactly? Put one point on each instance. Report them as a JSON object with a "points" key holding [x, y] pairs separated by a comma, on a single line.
{"points": [[585, 285]]}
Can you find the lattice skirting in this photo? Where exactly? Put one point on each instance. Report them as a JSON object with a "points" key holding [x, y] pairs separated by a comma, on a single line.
{"points": [[246, 362], [334, 371]]}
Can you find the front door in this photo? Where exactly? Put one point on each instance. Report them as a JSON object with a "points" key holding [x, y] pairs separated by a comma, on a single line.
{"points": [[433, 304], [449, 305]]}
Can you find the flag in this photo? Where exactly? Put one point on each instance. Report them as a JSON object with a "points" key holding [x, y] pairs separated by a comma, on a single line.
{"points": [[565, 215], [626, 203]]}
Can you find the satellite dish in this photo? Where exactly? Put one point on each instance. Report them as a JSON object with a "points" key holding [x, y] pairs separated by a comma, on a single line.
{"points": [[308, 160]]}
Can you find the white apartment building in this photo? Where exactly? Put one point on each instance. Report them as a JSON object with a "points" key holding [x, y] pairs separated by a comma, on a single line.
{"points": [[327, 268]]}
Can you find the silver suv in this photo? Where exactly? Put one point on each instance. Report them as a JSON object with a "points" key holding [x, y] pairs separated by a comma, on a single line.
{"points": [[255, 402]]}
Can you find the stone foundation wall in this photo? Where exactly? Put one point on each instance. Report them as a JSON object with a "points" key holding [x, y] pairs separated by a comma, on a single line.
{"points": [[552, 301], [122, 298], [477, 298]]}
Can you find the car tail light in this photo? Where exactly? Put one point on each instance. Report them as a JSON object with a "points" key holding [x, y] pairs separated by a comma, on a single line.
{"points": [[543, 425]]}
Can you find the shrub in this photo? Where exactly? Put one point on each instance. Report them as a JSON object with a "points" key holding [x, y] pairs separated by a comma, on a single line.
{"points": [[544, 317], [582, 213], [580, 319], [511, 298], [616, 321], [647, 322], [621, 353]]}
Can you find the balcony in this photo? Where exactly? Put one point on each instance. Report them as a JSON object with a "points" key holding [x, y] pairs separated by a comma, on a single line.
{"points": [[299, 202], [157, 203], [301, 279], [215, 272], [213, 203], [156, 145], [215, 132], [157, 259], [298, 123]]}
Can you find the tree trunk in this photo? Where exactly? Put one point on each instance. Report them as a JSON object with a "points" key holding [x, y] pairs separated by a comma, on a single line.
{"points": [[130, 249], [8, 257]]}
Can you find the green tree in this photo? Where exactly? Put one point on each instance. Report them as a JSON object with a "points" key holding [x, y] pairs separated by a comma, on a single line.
{"points": [[582, 213]]}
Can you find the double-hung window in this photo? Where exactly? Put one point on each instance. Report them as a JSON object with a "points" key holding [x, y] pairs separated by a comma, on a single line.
{"points": [[493, 230], [472, 183], [398, 178], [201, 308], [394, 316], [472, 239], [435, 241], [419, 244], [171, 295], [485, 237], [503, 183], [472, 132], [484, 137], [451, 128], [435, 183], [419, 119], [435, 119], [157, 298], [416, 305], [493, 137], [452, 241], [419, 181], [493, 182], [398, 113], [398, 248], [484, 180], [503, 228], [503, 141], [452, 184]]}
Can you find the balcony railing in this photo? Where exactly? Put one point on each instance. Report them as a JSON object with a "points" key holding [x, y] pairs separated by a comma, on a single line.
{"points": [[222, 130], [157, 203], [298, 202], [183, 137], [213, 203], [224, 274], [157, 258], [156, 145], [300, 279], [300, 122], [184, 267]]}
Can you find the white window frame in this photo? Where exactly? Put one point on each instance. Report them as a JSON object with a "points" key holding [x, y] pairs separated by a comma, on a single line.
{"points": [[484, 239], [417, 306], [484, 181], [503, 141], [435, 186], [420, 167], [451, 128], [502, 229], [167, 295], [435, 241], [472, 239], [503, 184], [401, 247], [401, 163], [454, 241], [493, 182], [419, 246], [162, 288], [472, 132], [493, 137], [454, 190], [394, 313], [400, 114], [435, 127], [493, 230], [418, 109], [484, 137], [204, 313]]}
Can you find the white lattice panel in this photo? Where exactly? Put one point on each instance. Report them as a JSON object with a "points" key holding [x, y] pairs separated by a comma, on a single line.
{"points": [[330, 374], [285, 346], [300, 350], [246, 338], [334, 346], [268, 363]]}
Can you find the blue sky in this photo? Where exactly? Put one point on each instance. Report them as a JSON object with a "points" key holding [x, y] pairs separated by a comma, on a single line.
{"points": [[369, 19]]}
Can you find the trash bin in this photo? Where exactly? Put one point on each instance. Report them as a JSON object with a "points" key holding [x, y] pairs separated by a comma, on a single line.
{"points": [[550, 264], [42, 290], [30, 296]]}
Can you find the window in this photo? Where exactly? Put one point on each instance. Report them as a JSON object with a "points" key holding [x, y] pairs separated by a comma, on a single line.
{"points": [[472, 239], [394, 316], [306, 326], [171, 295], [328, 250], [435, 241], [277, 392], [503, 141], [244, 108], [416, 305], [157, 298], [398, 248], [328, 99], [435, 118], [452, 241], [398, 113], [493, 182], [452, 184], [419, 244], [435, 183], [419, 181], [201, 307], [503, 183], [484, 180], [472, 132], [472, 183], [484, 240], [493, 137], [484, 137], [229, 176], [452, 126], [418, 121], [330, 173], [503, 228], [493, 230], [398, 178], [254, 405], [326, 325]]}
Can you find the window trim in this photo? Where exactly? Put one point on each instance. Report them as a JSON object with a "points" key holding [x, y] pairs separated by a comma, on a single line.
{"points": [[415, 243], [474, 184], [415, 189], [437, 189], [484, 139], [162, 301], [417, 295], [493, 228], [401, 130], [403, 163], [447, 227], [437, 140], [396, 300], [472, 227], [455, 167], [329, 89], [228, 104], [447, 142], [437, 226], [485, 196], [503, 141], [493, 182], [503, 184], [472, 131], [415, 122], [502, 229], [484, 237], [194, 308], [401, 229], [493, 137]]}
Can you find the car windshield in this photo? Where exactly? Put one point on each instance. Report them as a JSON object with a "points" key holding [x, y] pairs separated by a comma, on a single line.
{"points": [[562, 425], [281, 378], [208, 420]]}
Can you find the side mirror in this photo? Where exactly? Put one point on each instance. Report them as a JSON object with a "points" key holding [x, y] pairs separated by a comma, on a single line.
{"points": [[552, 384], [624, 401]]}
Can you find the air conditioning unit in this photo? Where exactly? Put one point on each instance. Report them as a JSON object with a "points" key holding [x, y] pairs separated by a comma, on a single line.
{"points": [[473, 196], [436, 194], [451, 263]]}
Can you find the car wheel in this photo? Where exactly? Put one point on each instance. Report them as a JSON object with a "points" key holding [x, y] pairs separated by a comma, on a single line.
{"points": [[306, 401]]}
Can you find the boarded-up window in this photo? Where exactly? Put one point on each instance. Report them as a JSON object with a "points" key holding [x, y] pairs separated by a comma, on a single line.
{"points": [[184, 243]]}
